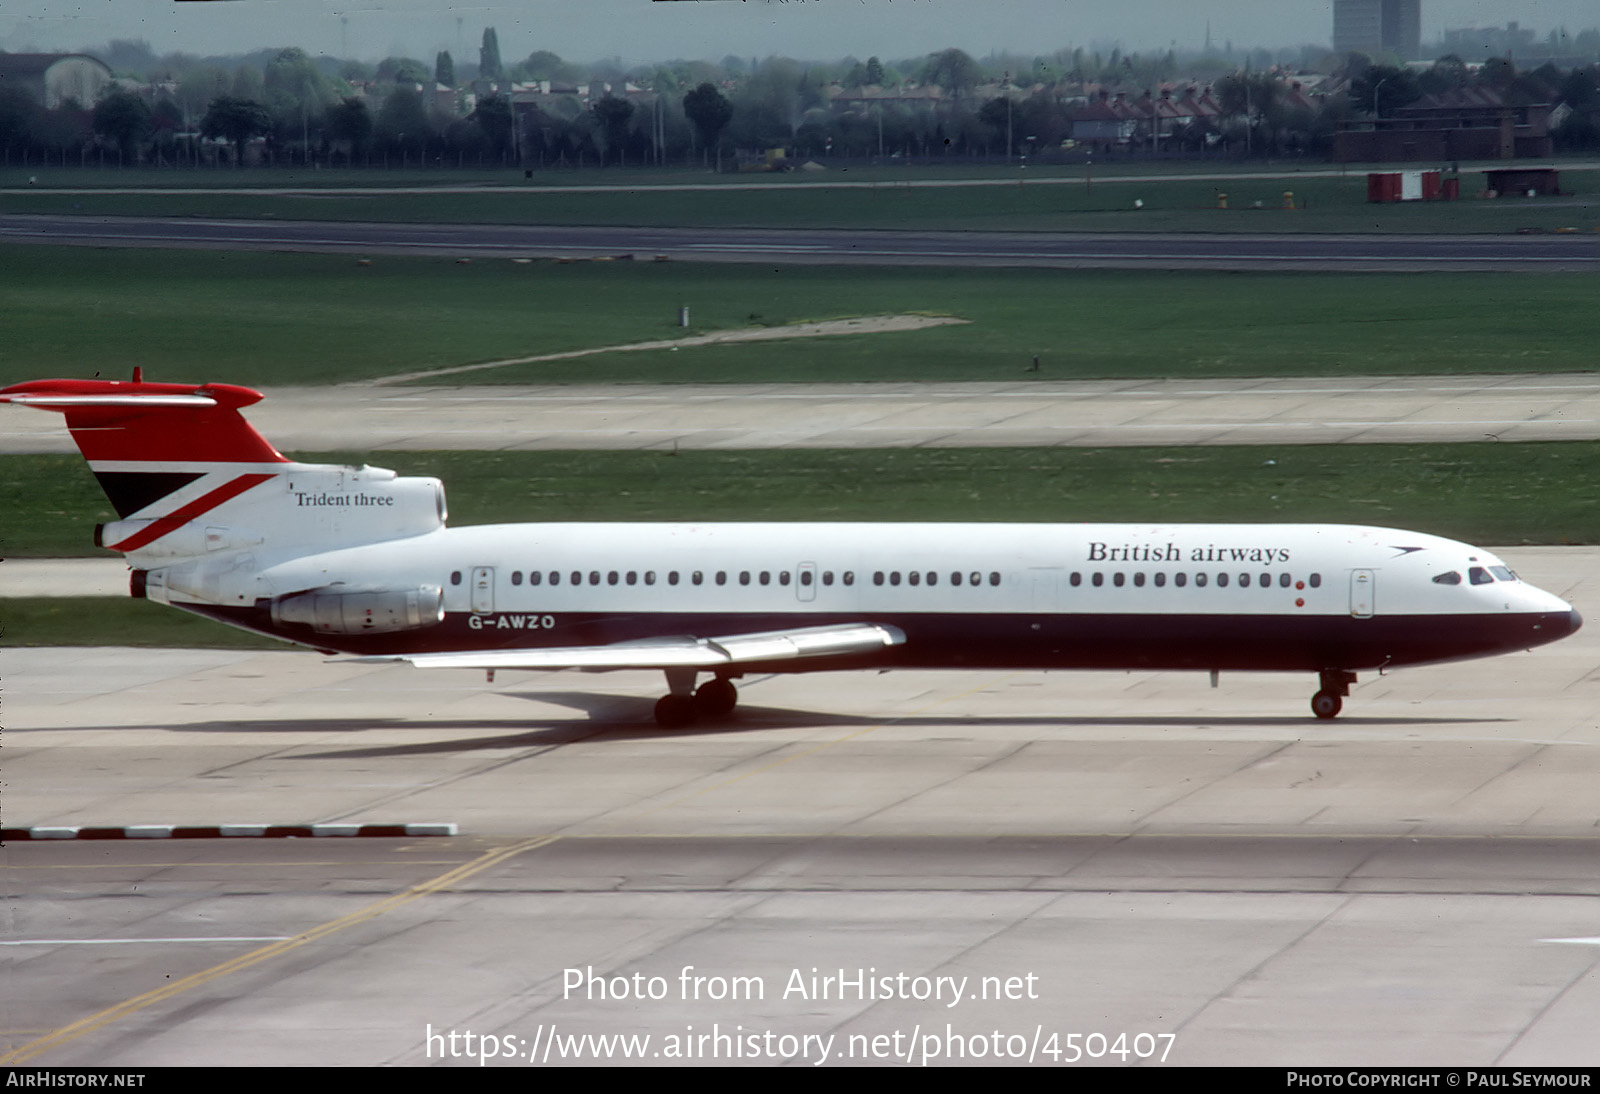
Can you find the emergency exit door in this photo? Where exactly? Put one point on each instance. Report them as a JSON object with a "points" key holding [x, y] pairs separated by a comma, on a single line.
{"points": [[1362, 602]]}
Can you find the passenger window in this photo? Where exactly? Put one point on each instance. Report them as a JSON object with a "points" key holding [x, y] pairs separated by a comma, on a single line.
{"points": [[555, 577], [649, 577], [914, 578], [672, 577], [697, 578], [633, 577], [1315, 581], [611, 578], [877, 577], [516, 577], [1283, 580], [1097, 579], [744, 577], [827, 577], [1161, 580], [805, 578], [766, 578], [894, 577], [849, 577], [1222, 581], [783, 577], [1479, 576], [1180, 579], [534, 577], [577, 578], [1200, 580], [722, 577], [974, 578], [1449, 578], [1076, 579], [1118, 578], [455, 577], [955, 577], [994, 577], [1138, 580], [933, 578]]}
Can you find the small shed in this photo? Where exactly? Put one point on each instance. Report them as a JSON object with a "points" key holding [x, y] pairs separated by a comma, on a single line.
{"points": [[1383, 186], [1522, 180]]}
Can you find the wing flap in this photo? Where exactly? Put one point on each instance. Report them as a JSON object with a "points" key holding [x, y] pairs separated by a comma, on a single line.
{"points": [[670, 653]]}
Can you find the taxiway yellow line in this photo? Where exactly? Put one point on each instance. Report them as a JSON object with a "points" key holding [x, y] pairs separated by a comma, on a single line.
{"points": [[103, 1018]]}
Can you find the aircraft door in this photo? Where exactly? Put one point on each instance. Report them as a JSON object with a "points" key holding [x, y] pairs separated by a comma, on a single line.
{"points": [[1362, 599], [805, 583], [483, 588]]}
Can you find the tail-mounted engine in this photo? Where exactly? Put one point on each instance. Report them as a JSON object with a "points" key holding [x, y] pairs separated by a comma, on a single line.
{"points": [[338, 610]]}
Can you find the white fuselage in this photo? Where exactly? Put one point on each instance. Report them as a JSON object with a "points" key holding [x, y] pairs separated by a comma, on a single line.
{"points": [[1130, 595]]}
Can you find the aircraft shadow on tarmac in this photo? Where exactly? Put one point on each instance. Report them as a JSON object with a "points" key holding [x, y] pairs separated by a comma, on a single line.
{"points": [[628, 718]]}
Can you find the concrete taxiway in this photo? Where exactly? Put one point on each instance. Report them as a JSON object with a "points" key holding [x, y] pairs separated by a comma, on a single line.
{"points": [[1572, 250], [1097, 854], [1097, 413]]}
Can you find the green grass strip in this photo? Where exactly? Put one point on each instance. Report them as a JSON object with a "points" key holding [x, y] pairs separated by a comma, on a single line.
{"points": [[273, 319], [1482, 493], [117, 621], [1335, 203]]}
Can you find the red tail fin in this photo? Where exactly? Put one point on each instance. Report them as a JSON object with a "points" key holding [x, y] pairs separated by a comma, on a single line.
{"points": [[116, 420], [147, 441]]}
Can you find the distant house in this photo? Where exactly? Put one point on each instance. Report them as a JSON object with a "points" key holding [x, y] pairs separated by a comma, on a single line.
{"points": [[1118, 119], [1466, 123], [55, 78]]}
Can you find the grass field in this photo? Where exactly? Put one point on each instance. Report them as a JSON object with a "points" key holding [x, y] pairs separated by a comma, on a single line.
{"points": [[263, 319], [1481, 493], [1028, 199]]}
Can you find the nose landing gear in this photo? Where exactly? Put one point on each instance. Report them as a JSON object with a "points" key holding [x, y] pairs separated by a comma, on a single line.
{"points": [[1327, 702]]}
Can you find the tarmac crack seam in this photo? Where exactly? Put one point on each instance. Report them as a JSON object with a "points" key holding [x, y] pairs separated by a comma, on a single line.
{"points": [[1141, 826], [764, 768], [1279, 951], [105, 1017]]}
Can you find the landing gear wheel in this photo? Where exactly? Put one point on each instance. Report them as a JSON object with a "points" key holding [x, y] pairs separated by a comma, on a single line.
{"points": [[1325, 704], [675, 711], [715, 698]]}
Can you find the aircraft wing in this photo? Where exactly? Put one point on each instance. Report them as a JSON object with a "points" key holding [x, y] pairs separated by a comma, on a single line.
{"points": [[676, 652]]}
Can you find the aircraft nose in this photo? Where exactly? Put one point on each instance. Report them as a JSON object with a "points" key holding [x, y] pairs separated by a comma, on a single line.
{"points": [[1553, 626]]}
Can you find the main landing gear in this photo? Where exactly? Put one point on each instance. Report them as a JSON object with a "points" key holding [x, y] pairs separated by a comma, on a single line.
{"points": [[1327, 702], [685, 704]]}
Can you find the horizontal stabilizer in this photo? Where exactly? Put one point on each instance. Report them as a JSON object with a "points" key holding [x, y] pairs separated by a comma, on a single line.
{"points": [[667, 653], [58, 401]]}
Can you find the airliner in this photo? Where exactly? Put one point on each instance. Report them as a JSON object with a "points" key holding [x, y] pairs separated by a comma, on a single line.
{"points": [[360, 561]]}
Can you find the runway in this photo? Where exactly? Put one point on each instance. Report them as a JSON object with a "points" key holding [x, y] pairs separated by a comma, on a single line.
{"points": [[1574, 252], [1093, 413], [1210, 874]]}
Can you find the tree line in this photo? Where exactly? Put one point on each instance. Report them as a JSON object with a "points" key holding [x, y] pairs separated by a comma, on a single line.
{"points": [[283, 107]]}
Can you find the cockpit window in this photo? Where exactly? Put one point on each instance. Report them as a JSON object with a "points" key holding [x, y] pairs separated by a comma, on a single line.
{"points": [[1503, 573], [1479, 576], [1450, 578]]}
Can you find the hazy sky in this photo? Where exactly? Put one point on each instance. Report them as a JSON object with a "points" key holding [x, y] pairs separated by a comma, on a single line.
{"points": [[642, 30]]}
